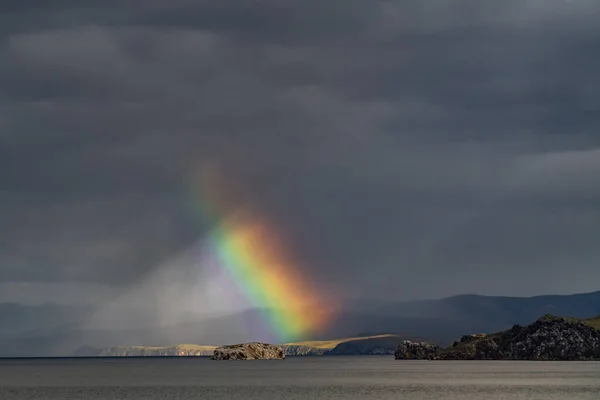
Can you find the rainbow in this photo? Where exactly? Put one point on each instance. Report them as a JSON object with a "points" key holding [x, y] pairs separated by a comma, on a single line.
{"points": [[252, 253]]}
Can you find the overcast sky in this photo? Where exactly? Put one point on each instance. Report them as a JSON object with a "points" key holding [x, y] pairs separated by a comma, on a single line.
{"points": [[403, 149]]}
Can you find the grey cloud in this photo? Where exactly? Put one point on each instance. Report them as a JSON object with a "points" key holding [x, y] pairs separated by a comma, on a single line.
{"points": [[383, 139], [285, 21], [567, 176]]}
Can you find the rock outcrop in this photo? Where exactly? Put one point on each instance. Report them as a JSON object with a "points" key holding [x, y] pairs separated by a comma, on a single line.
{"points": [[408, 350], [249, 351], [549, 338]]}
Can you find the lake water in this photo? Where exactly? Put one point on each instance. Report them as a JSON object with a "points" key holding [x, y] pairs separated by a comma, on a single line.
{"points": [[299, 378]]}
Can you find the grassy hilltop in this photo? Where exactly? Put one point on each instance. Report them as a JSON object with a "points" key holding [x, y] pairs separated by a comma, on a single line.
{"points": [[331, 344], [594, 321]]}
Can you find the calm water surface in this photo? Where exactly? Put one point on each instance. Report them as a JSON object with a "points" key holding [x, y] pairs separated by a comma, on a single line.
{"points": [[332, 378]]}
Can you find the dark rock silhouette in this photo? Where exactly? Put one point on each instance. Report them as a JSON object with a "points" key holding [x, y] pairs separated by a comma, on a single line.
{"points": [[549, 338]]}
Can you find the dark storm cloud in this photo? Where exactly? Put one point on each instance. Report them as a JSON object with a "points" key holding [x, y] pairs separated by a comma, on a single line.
{"points": [[263, 20], [399, 146]]}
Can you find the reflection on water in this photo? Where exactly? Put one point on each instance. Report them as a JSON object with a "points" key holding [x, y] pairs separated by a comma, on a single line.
{"points": [[312, 378]]}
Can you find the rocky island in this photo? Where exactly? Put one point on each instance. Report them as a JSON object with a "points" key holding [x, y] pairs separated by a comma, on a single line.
{"points": [[550, 338], [408, 350], [249, 351]]}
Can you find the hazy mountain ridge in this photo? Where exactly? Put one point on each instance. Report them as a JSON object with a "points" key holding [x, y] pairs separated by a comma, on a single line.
{"points": [[24, 318], [181, 350], [441, 321]]}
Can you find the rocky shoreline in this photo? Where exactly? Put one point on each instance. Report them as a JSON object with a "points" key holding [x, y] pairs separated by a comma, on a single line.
{"points": [[549, 338]]}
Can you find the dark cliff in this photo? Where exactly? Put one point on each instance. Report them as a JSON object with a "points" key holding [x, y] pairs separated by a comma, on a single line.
{"points": [[549, 338]]}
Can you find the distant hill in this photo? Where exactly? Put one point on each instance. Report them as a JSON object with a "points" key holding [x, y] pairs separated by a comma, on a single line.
{"points": [[54, 330], [141, 351], [479, 306], [330, 344], [441, 320], [376, 345], [358, 345], [379, 344]]}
